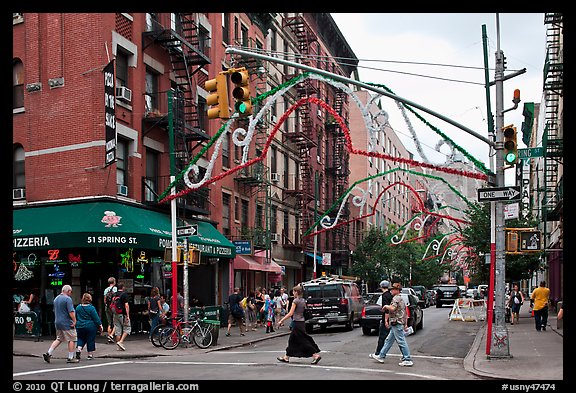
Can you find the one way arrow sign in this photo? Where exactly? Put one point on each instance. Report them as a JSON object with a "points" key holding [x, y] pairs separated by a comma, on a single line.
{"points": [[499, 194]]}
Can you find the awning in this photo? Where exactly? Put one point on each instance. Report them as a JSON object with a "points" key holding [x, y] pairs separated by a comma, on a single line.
{"points": [[106, 224], [211, 242], [287, 263], [318, 256], [245, 262]]}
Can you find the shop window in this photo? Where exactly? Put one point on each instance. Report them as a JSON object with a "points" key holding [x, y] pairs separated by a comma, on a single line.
{"points": [[122, 162], [18, 172]]}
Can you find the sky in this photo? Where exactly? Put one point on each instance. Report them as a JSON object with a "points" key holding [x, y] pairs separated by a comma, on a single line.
{"points": [[398, 39]]}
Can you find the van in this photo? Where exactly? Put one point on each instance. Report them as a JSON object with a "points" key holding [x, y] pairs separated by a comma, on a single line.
{"points": [[332, 301]]}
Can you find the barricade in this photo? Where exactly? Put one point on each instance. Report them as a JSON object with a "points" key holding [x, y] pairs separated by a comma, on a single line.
{"points": [[468, 310]]}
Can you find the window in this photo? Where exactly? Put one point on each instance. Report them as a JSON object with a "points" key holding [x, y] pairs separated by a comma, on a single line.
{"points": [[226, 151], [121, 68], [273, 219], [151, 180], [273, 159], [226, 28], [151, 95], [244, 35], [245, 209], [286, 169], [236, 36], [18, 173], [17, 84], [273, 40], [286, 224], [226, 214], [259, 216], [122, 162]]}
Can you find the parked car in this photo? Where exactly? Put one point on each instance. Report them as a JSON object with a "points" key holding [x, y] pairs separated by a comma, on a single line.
{"points": [[372, 313], [421, 293], [473, 293], [446, 294], [332, 301]]}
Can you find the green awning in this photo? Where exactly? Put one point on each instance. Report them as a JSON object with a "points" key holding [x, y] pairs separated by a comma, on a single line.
{"points": [[106, 224]]}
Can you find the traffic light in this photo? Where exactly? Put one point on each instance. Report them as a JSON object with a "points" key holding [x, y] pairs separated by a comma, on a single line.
{"points": [[510, 145], [218, 99], [241, 92]]}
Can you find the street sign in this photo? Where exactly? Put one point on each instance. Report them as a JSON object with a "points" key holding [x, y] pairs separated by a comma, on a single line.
{"points": [[498, 194], [187, 230], [530, 152]]}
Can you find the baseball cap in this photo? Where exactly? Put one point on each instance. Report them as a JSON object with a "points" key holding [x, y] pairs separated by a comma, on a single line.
{"points": [[384, 284]]}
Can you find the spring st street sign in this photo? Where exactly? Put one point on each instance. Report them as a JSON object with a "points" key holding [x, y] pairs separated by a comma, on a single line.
{"points": [[498, 194]]}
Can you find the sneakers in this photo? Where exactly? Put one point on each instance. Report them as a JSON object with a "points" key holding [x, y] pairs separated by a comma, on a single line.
{"points": [[377, 358], [89, 357], [121, 346], [46, 357], [110, 339], [227, 334], [406, 363], [78, 355], [72, 360]]}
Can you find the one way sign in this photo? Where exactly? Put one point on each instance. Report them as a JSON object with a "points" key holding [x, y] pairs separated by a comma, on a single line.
{"points": [[499, 194], [187, 230]]}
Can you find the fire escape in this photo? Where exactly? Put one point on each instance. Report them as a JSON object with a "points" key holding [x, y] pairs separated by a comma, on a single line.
{"points": [[185, 43], [303, 136], [253, 180], [337, 166], [553, 138]]}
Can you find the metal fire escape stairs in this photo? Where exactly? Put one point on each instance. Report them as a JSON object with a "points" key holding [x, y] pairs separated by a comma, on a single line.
{"points": [[303, 136], [337, 166], [254, 179], [552, 139], [183, 41]]}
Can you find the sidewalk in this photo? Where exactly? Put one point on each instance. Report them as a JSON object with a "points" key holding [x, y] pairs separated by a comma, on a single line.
{"points": [[535, 355]]}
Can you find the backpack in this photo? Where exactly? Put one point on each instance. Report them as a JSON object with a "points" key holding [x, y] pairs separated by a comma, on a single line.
{"points": [[236, 310], [115, 305], [109, 296]]}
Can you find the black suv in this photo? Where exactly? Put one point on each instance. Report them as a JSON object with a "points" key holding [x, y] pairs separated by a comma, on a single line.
{"points": [[446, 294], [332, 301]]}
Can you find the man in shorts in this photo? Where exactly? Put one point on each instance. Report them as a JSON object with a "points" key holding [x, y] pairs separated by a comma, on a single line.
{"points": [[65, 323], [122, 325]]}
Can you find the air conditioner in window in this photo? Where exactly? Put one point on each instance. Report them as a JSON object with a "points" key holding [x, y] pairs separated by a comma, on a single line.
{"points": [[274, 237], [122, 190], [275, 177], [18, 193], [124, 93]]}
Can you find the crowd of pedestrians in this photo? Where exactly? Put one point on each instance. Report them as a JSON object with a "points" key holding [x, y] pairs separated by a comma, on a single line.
{"points": [[262, 308]]}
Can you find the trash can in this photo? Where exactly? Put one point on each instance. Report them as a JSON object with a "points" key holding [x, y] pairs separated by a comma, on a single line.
{"points": [[197, 311], [215, 329]]}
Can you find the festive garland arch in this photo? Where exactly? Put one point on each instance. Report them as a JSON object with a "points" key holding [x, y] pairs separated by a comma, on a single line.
{"points": [[275, 94]]}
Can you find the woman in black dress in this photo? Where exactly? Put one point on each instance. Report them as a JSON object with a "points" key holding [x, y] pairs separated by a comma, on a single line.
{"points": [[300, 344]]}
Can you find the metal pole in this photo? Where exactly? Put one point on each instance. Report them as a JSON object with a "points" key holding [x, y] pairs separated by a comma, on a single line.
{"points": [[490, 292], [340, 78], [315, 214], [500, 342], [185, 280], [173, 209]]}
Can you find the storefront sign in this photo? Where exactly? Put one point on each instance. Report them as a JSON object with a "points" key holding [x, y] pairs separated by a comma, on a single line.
{"points": [[110, 114], [243, 247]]}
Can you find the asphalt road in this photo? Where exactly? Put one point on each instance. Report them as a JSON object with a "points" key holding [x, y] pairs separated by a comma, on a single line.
{"points": [[438, 351]]}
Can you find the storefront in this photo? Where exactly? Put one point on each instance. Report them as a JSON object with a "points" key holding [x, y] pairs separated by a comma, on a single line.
{"points": [[84, 243], [253, 271]]}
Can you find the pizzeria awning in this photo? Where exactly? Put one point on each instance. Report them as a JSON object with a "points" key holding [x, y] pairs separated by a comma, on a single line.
{"points": [[106, 224], [245, 262]]}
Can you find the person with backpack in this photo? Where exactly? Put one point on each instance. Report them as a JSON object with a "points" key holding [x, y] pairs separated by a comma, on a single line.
{"points": [[154, 308], [236, 312], [121, 312], [108, 296]]}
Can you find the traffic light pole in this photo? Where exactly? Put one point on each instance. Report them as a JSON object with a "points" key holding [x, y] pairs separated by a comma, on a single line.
{"points": [[500, 344]]}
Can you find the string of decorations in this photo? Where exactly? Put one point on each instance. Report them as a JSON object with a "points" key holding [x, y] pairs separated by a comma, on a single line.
{"points": [[275, 93]]}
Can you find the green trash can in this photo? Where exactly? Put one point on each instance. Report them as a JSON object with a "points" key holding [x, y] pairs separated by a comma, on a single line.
{"points": [[215, 329]]}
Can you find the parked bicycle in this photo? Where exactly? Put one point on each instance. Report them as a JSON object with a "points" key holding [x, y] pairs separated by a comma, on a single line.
{"points": [[156, 333], [200, 332]]}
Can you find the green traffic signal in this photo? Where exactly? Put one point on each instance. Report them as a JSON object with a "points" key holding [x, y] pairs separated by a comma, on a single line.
{"points": [[510, 145]]}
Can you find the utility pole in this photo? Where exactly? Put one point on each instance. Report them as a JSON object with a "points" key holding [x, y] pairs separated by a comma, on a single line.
{"points": [[173, 208], [500, 344]]}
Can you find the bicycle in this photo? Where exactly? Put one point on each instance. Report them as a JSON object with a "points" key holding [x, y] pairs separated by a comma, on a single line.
{"points": [[171, 337], [156, 333]]}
